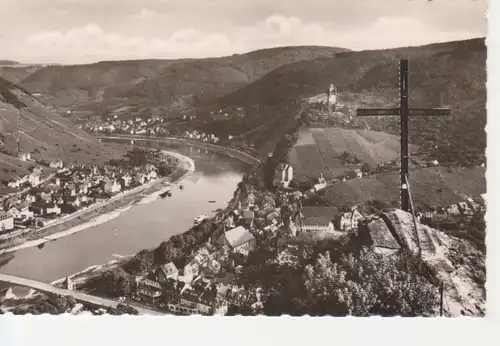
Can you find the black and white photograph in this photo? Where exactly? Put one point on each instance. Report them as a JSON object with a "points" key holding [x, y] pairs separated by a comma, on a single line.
{"points": [[243, 158]]}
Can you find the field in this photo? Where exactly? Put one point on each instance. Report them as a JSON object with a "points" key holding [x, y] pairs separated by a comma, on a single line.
{"points": [[318, 150], [436, 186]]}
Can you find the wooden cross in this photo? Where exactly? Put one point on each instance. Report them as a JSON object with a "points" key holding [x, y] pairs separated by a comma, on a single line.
{"points": [[404, 112]]}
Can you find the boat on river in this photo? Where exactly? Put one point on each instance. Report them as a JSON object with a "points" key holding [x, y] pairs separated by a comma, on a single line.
{"points": [[167, 193]]}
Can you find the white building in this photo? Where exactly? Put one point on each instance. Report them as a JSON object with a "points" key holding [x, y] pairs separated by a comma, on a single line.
{"points": [[25, 156], [34, 179], [116, 187], [348, 221], [283, 175], [316, 220], [6, 222]]}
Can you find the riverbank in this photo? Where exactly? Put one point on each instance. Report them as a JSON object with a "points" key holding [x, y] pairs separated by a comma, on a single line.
{"points": [[251, 159], [103, 212], [80, 278]]}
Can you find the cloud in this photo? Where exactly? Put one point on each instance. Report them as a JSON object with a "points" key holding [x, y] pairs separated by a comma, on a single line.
{"points": [[91, 43]]}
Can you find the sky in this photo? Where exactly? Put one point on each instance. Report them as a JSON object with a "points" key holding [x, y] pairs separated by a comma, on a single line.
{"points": [[83, 31]]}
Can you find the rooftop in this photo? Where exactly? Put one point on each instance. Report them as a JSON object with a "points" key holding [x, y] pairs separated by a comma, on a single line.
{"points": [[316, 221], [327, 212], [169, 268], [238, 236]]}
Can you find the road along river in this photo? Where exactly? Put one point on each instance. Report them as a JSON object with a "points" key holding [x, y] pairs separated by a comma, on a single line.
{"points": [[146, 224]]}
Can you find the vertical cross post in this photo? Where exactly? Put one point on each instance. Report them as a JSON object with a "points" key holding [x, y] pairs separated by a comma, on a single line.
{"points": [[404, 111]]}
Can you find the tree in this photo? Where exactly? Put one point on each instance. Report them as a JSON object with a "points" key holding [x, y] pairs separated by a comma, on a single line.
{"points": [[141, 262], [122, 309], [371, 284], [137, 157], [115, 283], [366, 168]]}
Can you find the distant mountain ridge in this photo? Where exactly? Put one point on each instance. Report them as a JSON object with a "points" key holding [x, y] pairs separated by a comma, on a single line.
{"points": [[451, 74], [162, 82], [8, 62], [368, 70]]}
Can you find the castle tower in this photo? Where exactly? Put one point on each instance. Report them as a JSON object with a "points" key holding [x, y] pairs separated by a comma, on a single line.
{"points": [[68, 284], [331, 98]]}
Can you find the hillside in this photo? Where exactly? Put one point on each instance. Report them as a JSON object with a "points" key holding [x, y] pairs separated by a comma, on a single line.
{"points": [[319, 151], [437, 186], [16, 72], [371, 69], [81, 85], [463, 276], [165, 83], [8, 62], [449, 74], [44, 134]]}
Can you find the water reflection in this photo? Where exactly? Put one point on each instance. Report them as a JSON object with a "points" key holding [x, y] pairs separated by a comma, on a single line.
{"points": [[142, 226]]}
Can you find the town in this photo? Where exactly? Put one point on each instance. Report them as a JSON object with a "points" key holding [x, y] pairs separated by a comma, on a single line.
{"points": [[207, 273], [150, 126], [47, 194]]}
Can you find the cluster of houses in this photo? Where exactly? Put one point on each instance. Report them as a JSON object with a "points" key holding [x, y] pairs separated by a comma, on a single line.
{"points": [[204, 285], [200, 136], [136, 126], [201, 286], [467, 208], [265, 215], [227, 114], [32, 179], [67, 191]]}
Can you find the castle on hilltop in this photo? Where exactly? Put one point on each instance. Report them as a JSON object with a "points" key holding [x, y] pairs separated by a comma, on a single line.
{"points": [[331, 98]]}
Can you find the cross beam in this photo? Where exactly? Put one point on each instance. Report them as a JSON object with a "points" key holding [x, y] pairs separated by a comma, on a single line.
{"points": [[404, 111]]}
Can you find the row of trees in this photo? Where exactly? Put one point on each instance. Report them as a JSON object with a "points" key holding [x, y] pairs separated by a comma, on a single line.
{"points": [[49, 304], [138, 157]]}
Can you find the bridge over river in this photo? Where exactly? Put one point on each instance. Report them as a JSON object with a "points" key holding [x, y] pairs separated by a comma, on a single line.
{"points": [[79, 297], [232, 152]]}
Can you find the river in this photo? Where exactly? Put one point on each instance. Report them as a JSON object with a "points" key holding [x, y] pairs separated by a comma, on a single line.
{"points": [[142, 226]]}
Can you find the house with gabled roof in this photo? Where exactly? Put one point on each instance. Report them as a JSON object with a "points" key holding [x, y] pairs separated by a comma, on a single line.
{"points": [[316, 219], [148, 289], [348, 220], [239, 240], [166, 272], [201, 300]]}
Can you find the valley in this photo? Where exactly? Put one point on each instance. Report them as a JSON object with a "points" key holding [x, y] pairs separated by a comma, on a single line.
{"points": [[324, 191]]}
